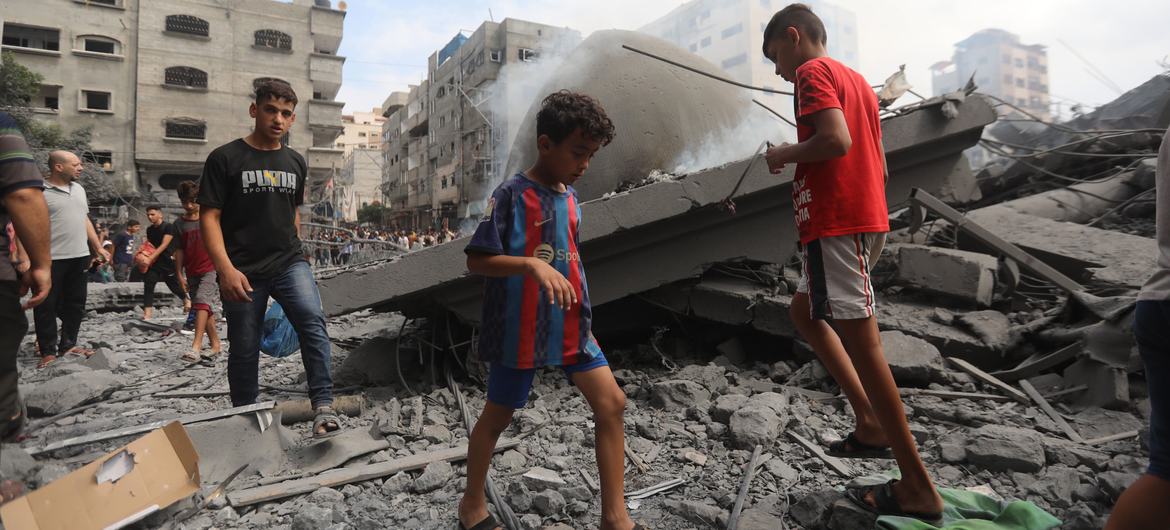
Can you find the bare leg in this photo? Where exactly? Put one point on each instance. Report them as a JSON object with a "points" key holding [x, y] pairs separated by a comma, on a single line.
{"points": [[915, 491], [200, 327], [482, 443], [608, 402], [212, 334], [831, 352], [147, 312], [1145, 505]]}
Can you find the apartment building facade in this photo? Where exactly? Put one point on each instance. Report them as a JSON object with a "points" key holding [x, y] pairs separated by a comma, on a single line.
{"points": [[164, 82], [1001, 66], [360, 129]]}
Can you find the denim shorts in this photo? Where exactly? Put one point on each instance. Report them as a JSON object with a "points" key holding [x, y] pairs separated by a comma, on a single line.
{"points": [[1152, 327], [509, 387]]}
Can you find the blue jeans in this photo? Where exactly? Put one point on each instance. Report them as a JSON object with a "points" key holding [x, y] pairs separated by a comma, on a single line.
{"points": [[1151, 325], [297, 293]]}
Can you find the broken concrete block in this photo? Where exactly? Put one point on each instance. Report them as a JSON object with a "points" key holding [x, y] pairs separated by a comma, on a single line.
{"points": [[711, 376], [758, 519], [781, 470], [434, 476], [1098, 423], [399, 483], [968, 276], [754, 425], [725, 406], [312, 517], [775, 401], [1002, 448], [679, 394], [812, 511], [698, 513], [65, 392], [226, 444], [1114, 483], [548, 502], [333, 452], [913, 361], [107, 359], [694, 457], [847, 515], [540, 479], [991, 327], [1056, 484], [436, 434], [15, 463], [1108, 387]]}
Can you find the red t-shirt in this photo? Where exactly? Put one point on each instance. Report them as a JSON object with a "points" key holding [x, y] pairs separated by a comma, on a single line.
{"points": [[845, 195], [196, 260]]}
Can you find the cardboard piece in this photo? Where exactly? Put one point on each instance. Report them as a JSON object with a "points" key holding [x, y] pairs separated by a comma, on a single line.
{"points": [[124, 486]]}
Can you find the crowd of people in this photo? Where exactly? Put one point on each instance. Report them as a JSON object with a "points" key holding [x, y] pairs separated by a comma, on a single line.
{"points": [[342, 246]]}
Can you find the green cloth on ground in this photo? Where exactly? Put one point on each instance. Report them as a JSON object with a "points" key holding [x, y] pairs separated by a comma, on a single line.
{"points": [[968, 510]]}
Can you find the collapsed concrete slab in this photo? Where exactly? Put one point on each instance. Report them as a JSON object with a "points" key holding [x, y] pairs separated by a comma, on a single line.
{"points": [[640, 239], [968, 276], [123, 296]]}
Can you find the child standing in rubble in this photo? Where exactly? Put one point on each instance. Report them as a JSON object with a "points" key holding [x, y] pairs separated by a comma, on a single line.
{"points": [[839, 200], [197, 275], [536, 303]]}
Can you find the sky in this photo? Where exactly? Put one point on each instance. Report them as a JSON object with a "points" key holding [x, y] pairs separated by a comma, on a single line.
{"points": [[387, 42]]}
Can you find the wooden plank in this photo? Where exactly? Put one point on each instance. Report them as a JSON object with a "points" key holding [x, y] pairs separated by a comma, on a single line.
{"points": [[1051, 412], [636, 460], [840, 467], [127, 431], [951, 394], [1112, 438], [744, 486], [1047, 362], [342, 476], [987, 378]]}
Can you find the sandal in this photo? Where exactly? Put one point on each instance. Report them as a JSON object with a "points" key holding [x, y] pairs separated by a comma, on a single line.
{"points": [[851, 447], [326, 416], [488, 523], [78, 350], [191, 357], [46, 360], [885, 503]]}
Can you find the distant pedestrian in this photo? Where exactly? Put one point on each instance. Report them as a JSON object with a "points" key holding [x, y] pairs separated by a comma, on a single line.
{"points": [[197, 274], [124, 250], [161, 264], [74, 242]]}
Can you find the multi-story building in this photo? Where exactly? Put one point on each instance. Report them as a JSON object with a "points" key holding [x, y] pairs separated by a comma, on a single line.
{"points": [[166, 81], [730, 34], [443, 138], [1001, 66], [361, 129], [360, 182]]}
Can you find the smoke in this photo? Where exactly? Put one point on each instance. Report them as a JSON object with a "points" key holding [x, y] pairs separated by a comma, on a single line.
{"points": [[732, 144]]}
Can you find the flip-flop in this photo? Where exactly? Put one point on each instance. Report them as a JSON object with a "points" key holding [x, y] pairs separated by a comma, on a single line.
{"points": [[885, 503], [78, 350], [325, 416], [488, 523], [46, 360], [191, 357], [851, 447]]}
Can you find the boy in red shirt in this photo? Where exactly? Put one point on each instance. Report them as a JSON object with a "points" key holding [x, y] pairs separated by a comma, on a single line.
{"points": [[197, 275], [838, 194]]}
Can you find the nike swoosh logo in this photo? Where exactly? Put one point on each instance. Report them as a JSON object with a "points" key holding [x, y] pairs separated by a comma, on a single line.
{"points": [[541, 223]]}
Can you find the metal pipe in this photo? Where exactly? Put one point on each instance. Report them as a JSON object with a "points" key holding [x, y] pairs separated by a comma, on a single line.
{"points": [[700, 72]]}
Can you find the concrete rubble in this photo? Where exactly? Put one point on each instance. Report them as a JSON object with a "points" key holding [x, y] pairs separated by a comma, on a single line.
{"points": [[695, 325]]}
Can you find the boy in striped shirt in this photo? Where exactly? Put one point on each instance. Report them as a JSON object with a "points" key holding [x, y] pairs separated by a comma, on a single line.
{"points": [[536, 302]]}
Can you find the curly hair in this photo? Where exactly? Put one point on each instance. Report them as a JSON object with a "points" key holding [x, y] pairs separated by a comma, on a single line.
{"points": [[271, 87], [188, 190], [563, 112]]}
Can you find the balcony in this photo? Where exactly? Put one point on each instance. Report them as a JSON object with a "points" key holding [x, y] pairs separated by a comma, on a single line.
{"points": [[325, 73], [325, 114], [324, 159], [326, 26]]}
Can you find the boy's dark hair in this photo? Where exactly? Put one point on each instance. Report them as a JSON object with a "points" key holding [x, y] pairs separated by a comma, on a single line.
{"points": [[133, 222], [272, 88], [149, 208], [563, 112], [799, 16], [188, 190]]}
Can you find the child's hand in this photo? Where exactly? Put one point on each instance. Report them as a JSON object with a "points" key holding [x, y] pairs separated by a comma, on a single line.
{"points": [[560, 291], [776, 158]]}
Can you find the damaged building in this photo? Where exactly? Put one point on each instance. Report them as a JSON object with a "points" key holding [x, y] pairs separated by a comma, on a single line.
{"points": [[1005, 310]]}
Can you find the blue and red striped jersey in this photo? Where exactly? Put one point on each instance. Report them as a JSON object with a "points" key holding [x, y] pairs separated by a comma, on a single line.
{"points": [[520, 328]]}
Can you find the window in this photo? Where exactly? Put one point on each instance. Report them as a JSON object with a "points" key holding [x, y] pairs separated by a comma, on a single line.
{"points": [[527, 55], [188, 24], [186, 129], [97, 44], [49, 97], [733, 30], [496, 56], [1019, 63], [735, 61], [96, 100], [110, 3], [185, 76], [270, 38], [31, 37], [361, 135], [705, 42], [1020, 82], [102, 159]]}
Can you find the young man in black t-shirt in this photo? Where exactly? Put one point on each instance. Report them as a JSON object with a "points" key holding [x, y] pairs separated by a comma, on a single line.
{"points": [[165, 237], [249, 195]]}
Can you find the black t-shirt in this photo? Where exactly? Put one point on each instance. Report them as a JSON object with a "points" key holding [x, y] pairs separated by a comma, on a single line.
{"points": [[258, 193], [155, 234]]}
